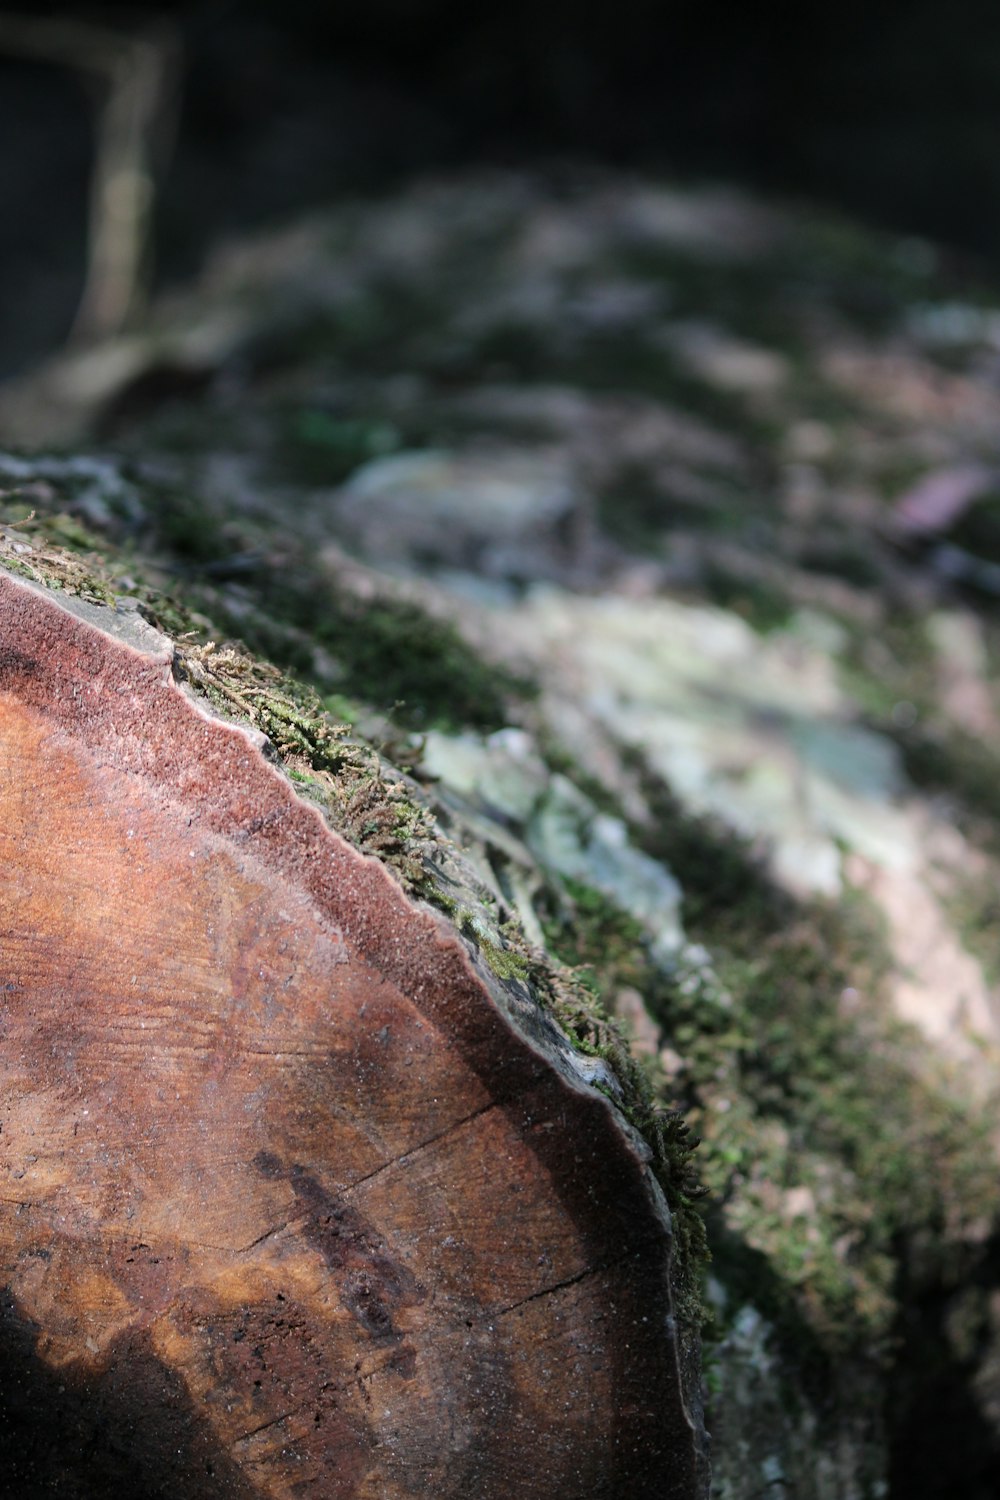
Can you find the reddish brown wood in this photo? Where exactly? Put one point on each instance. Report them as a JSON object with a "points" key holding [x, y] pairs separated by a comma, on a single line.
{"points": [[293, 1200]]}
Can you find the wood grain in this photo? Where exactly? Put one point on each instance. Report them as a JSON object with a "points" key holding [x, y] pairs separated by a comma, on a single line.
{"points": [[294, 1199]]}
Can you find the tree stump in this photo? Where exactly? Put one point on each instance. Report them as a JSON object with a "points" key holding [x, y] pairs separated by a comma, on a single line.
{"points": [[296, 1198]]}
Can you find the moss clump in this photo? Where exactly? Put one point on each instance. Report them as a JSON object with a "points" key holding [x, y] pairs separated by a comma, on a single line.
{"points": [[975, 910], [764, 606], [897, 668], [385, 651], [373, 808], [815, 261], [397, 656], [614, 361], [832, 1158], [318, 447], [961, 768], [809, 1097], [35, 549], [601, 948]]}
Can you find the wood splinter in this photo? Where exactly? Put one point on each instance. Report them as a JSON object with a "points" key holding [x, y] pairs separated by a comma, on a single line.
{"points": [[296, 1198]]}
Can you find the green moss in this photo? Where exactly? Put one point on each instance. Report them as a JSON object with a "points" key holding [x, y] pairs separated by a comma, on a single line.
{"points": [[892, 664], [505, 963], [378, 331], [747, 296], [395, 655], [613, 361], [36, 548], [960, 767], [798, 1090], [815, 261], [639, 511], [373, 809], [974, 907], [317, 447], [762, 605], [844, 556], [897, 666], [805, 1089], [388, 652], [601, 949]]}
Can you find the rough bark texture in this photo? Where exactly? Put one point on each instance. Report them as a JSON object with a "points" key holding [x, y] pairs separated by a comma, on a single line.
{"points": [[297, 1198]]}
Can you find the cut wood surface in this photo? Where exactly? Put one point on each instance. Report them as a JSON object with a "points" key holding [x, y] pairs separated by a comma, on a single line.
{"points": [[296, 1199]]}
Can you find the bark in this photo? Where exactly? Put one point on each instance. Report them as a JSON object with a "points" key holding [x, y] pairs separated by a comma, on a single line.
{"points": [[298, 1197]]}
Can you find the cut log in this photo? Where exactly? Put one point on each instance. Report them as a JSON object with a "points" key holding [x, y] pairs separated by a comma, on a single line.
{"points": [[296, 1197]]}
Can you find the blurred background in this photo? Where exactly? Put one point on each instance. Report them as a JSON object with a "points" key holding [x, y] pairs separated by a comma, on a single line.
{"points": [[889, 112]]}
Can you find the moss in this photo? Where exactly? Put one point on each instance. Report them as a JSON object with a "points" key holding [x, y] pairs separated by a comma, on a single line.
{"points": [[505, 963], [35, 548], [795, 1091], [762, 605], [960, 768], [396, 655], [612, 361], [377, 331], [844, 556], [974, 907], [815, 261], [317, 447], [892, 664], [371, 807], [601, 948], [806, 1090], [897, 666], [575, 993], [744, 295], [375, 809], [386, 651], [639, 511]]}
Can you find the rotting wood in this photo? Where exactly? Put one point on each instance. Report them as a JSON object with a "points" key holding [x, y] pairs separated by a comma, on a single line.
{"points": [[295, 1196]]}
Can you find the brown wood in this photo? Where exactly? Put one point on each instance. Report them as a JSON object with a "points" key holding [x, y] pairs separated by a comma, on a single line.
{"points": [[295, 1198]]}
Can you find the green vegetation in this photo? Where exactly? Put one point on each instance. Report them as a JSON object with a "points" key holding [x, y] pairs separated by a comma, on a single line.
{"points": [[376, 811], [975, 909], [895, 666], [598, 948], [388, 652], [317, 447], [833, 1160], [763, 605], [825, 1102]]}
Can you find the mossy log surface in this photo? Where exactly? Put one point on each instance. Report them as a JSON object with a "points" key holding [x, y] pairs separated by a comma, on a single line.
{"points": [[297, 1197]]}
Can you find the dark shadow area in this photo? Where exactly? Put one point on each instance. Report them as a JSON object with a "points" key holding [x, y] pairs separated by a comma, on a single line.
{"points": [[890, 116], [943, 1335], [93, 1439]]}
